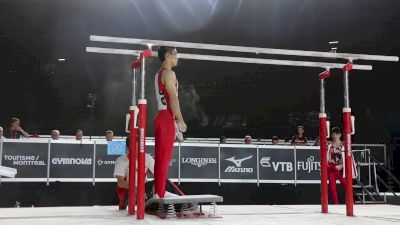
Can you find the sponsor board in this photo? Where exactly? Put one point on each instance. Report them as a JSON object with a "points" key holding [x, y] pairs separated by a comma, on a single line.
{"points": [[238, 163], [308, 164], [199, 162], [76, 160], [71, 161], [30, 159], [237, 167], [105, 162], [276, 164]]}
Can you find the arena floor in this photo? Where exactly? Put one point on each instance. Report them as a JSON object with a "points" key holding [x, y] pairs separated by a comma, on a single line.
{"points": [[231, 214]]}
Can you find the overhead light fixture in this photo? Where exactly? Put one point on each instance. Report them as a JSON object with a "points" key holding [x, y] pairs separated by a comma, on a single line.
{"points": [[61, 59], [333, 42]]}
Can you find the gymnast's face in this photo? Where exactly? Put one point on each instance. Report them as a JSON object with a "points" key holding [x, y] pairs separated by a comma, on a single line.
{"points": [[336, 136], [172, 56]]}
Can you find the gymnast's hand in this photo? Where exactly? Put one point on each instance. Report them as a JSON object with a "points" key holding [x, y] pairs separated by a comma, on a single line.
{"points": [[339, 167], [181, 126]]}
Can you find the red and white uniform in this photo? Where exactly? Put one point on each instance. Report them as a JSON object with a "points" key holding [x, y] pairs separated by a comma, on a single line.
{"points": [[336, 169], [164, 129], [121, 168]]}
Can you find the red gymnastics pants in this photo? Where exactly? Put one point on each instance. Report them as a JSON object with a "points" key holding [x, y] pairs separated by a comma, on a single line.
{"points": [[333, 173], [121, 192], [164, 128]]}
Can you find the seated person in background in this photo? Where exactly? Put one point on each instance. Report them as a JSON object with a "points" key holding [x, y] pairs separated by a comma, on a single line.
{"points": [[15, 131], [121, 172], [109, 135], [275, 140], [55, 134], [222, 140], [299, 138], [78, 135], [1, 133], [247, 140]]}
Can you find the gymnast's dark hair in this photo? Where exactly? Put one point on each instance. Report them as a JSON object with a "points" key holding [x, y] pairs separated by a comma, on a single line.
{"points": [[164, 50], [336, 130]]}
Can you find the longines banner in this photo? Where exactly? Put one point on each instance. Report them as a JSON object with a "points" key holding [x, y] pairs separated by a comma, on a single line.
{"points": [[195, 162], [199, 161]]}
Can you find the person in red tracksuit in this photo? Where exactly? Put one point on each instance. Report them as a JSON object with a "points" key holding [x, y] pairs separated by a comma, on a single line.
{"points": [[335, 163], [168, 120]]}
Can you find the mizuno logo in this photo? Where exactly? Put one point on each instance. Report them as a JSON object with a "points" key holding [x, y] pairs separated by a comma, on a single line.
{"points": [[238, 162]]}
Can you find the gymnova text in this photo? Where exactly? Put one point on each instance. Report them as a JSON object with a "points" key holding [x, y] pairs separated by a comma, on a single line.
{"points": [[71, 161]]}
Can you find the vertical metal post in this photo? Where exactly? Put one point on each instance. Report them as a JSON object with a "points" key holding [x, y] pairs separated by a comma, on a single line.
{"points": [[48, 162], [219, 164], [258, 167], [1, 151], [1, 154], [323, 143], [94, 163], [384, 153], [142, 138], [369, 168], [134, 67], [295, 165], [347, 141], [133, 111], [179, 163]]}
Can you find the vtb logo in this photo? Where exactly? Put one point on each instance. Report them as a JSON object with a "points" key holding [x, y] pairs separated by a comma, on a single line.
{"points": [[282, 166]]}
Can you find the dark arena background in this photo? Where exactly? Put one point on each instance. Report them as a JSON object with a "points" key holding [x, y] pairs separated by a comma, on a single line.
{"points": [[46, 76]]}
